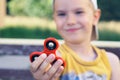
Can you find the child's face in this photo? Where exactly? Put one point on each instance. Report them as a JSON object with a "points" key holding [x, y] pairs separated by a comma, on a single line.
{"points": [[74, 19]]}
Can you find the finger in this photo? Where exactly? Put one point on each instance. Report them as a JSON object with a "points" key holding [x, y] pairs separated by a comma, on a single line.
{"points": [[53, 69], [47, 62], [35, 64], [58, 73]]}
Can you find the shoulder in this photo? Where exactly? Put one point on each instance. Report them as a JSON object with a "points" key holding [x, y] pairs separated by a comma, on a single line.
{"points": [[115, 65], [112, 58]]}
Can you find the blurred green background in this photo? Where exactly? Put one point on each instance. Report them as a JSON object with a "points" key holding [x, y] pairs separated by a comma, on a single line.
{"points": [[33, 19]]}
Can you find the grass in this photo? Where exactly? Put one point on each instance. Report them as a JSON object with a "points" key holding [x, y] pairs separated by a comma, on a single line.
{"points": [[109, 35], [111, 25], [29, 22], [24, 32]]}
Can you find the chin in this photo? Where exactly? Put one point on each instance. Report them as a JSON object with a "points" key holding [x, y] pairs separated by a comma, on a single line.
{"points": [[73, 40]]}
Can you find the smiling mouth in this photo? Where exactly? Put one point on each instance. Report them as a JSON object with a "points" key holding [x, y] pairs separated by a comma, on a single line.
{"points": [[72, 29]]}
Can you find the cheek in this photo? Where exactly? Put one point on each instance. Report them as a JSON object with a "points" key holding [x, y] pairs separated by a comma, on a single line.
{"points": [[59, 23], [58, 26], [86, 21]]}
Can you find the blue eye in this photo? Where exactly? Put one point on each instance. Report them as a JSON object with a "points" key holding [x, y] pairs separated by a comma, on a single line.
{"points": [[79, 12], [61, 14]]}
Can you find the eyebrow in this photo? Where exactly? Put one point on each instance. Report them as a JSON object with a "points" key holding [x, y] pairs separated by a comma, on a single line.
{"points": [[78, 9], [60, 10]]}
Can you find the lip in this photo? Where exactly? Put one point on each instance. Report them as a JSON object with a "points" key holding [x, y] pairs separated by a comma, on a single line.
{"points": [[72, 29]]}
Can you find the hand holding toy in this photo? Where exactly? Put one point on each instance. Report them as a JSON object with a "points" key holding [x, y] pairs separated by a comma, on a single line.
{"points": [[50, 47]]}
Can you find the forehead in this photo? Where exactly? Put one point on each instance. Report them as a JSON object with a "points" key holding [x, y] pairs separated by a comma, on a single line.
{"points": [[69, 4]]}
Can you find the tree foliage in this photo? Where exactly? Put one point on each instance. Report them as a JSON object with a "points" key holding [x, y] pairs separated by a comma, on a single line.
{"points": [[43, 8], [39, 8], [110, 9]]}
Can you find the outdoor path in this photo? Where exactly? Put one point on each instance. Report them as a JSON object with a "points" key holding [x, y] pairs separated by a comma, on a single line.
{"points": [[14, 62], [14, 67]]}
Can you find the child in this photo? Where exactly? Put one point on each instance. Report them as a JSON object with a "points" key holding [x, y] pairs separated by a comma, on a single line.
{"points": [[76, 22]]}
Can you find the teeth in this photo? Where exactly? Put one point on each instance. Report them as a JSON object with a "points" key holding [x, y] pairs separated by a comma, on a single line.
{"points": [[66, 28]]}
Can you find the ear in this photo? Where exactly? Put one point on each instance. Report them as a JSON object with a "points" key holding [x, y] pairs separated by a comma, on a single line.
{"points": [[97, 15]]}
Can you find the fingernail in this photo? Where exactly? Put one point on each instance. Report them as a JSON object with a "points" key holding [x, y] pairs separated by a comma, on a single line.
{"points": [[43, 55], [52, 56], [60, 61]]}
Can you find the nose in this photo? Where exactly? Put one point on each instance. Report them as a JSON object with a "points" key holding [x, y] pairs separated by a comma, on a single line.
{"points": [[71, 19]]}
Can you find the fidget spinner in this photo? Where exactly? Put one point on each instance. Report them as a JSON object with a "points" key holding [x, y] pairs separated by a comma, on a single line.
{"points": [[50, 47]]}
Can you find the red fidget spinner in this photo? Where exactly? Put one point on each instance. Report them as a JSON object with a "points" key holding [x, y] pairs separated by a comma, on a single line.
{"points": [[50, 47]]}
